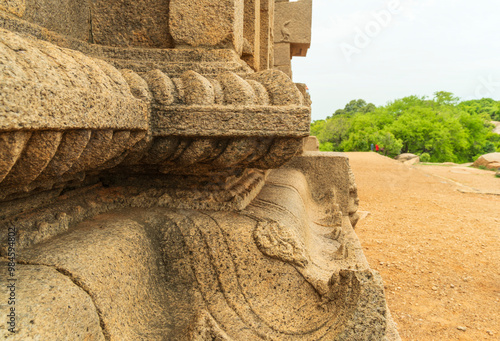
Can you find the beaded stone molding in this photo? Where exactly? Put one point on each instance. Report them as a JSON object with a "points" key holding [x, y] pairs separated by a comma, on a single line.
{"points": [[65, 116]]}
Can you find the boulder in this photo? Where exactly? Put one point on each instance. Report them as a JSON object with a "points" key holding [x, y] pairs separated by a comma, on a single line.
{"points": [[489, 161], [408, 158]]}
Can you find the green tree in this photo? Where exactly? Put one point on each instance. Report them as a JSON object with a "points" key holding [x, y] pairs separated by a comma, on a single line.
{"points": [[442, 127], [485, 106], [356, 106], [445, 98], [391, 146]]}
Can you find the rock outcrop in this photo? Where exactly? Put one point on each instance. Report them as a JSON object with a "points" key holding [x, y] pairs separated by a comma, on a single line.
{"points": [[408, 158], [488, 161]]}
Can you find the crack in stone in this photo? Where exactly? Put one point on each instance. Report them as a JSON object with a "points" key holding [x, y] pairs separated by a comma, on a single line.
{"points": [[102, 324], [69, 275]]}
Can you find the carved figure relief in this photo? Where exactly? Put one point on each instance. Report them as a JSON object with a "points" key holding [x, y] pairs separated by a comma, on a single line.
{"points": [[285, 32]]}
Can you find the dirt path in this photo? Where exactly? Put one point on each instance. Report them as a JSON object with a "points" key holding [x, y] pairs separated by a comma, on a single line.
{"points": [[437, 248]]}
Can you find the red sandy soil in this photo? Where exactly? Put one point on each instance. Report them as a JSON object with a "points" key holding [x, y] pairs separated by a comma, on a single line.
{"points": [[435, 239]]}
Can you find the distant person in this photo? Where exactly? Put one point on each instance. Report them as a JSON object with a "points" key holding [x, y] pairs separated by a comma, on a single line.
{"points": [[372, 147], [377, 148]]}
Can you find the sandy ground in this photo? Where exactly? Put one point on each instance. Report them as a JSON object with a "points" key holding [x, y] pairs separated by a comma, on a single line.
{"points": [[436, 244]]}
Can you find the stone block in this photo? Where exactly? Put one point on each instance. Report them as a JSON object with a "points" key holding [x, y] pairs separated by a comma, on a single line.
{"points": [[68, 17], [207, 23], [159, 186], [304, 90], [286, 69], [311, 144], [292, 24], [282, 54], [327, 174], [251, 33], [266, 34], [131, 23]]}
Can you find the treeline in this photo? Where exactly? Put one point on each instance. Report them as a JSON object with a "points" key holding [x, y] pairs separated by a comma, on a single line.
{"points": [[439, 129]]}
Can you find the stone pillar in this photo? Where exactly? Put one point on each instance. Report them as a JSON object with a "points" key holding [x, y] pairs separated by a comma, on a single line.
{"points": [[266, 34], [292, 27], [207, 23], [251, 33]]}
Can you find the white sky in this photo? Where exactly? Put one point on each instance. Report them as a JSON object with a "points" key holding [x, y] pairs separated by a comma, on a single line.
{"points": [[415, 47]]}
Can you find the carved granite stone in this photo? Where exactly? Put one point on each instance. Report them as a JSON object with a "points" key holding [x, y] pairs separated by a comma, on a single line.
{"points": [[156, 184]]}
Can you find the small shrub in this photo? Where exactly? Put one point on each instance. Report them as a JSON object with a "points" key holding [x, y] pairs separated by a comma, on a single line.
{"points": [[425, 157], [326, 147], [475, 157]]}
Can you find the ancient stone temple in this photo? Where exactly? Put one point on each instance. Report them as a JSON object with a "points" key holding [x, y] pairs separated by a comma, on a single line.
{"points": [[156, 183]]}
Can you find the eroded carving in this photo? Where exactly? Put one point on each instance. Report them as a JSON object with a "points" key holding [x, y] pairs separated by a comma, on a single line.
{"points": [[156, 147], [276, 241]]}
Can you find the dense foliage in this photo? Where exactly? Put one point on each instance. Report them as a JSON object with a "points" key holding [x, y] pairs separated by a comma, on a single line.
{"points": [[441, 128]]}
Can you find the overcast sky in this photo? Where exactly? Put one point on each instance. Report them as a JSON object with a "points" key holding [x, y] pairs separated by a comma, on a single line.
{"points": [[381, 50]]}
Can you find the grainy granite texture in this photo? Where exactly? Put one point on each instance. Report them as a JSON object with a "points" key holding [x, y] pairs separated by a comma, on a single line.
{"points": [[287, 267], [292, 32], [117, 23], [251, 34], [49, 305], [45, 86], [207, 23], [117, 263]]}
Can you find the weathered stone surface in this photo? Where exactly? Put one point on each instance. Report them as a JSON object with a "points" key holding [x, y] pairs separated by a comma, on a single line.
{"points": [[266, 34], [496, 130], [329, 176], [304, 90], [236, 90], [282, 54], [207, 23], [160, 85], [489, 161], [68, 17], [198, 274], [292, 24], [154, 103], [112, 252], [16, 7], [406, 157], [48, 305], [281, 89], [44, 86], [311, 144], [117, 23], [292, 32], [251, 33]]}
